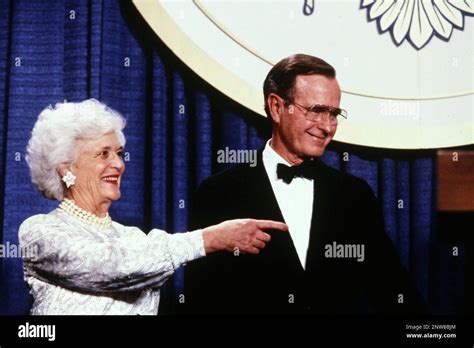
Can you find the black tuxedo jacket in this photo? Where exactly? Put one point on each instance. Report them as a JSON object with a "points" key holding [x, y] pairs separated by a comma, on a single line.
{"points": [[345, 211]]}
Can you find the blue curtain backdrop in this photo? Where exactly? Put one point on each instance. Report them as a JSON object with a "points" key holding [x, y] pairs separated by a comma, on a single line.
{"points": [[52, 51]]}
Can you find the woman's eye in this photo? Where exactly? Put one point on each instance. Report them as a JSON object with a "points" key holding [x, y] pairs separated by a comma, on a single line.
{"points": [[120, 154], [104, 154]]}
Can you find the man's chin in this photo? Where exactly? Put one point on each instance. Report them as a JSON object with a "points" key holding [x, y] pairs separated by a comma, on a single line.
{"points": [[316, 148], [315, 152]]}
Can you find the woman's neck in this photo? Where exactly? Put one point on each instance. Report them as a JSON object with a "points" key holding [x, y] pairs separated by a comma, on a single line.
{"points": [[99, 209]]}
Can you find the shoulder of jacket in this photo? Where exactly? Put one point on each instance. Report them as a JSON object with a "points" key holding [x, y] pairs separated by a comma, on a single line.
{"points": [[236, 173], [39, 219], [344, 180]]}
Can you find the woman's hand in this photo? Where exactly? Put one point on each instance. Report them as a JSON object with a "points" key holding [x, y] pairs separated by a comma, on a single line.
{"points": [[242, 235]]}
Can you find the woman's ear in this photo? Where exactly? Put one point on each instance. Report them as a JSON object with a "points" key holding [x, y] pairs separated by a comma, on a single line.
{"points": [[275, 105], [62, 169]]}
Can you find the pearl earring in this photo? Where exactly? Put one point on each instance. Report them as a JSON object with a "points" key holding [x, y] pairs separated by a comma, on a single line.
{"points": [[69, 179]]}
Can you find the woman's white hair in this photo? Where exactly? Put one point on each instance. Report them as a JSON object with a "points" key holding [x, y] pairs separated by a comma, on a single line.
{"points": [[54, 139]]}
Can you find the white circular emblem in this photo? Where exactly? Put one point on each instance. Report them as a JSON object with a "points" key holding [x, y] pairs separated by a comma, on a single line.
{"points": [[419, 20], [413, 88]]}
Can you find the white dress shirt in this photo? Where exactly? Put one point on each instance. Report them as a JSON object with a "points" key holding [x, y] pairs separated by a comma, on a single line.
{"points": [[294, 199]]}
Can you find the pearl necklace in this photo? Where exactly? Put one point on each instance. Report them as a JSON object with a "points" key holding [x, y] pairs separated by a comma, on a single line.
{"points": [[71, 208]]}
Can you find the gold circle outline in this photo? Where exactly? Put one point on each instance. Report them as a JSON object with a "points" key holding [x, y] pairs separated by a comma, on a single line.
{"points": [[229, 84], [258, 55]]}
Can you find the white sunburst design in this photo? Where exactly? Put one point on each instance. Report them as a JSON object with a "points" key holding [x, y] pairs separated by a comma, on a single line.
{"points": [[418, 20]]}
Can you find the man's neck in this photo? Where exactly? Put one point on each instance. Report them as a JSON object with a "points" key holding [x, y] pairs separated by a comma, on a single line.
{"points": [[281, 150]]}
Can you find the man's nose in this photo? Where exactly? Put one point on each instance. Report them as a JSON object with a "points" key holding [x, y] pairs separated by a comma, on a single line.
{"points": [[325, 124]]}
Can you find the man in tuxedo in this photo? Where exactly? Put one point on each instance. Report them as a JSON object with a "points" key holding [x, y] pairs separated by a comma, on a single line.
{"points": [[336, 257]]}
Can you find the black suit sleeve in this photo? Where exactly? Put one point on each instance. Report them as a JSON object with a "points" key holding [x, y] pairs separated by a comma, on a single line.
{"points": [[387, 282]]}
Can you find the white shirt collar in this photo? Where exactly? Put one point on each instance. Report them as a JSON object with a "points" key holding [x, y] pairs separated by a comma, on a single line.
{"points": [[295, 201], [271, 158]]}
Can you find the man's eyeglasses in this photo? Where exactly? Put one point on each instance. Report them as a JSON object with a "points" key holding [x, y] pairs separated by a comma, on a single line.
{"points": [[317, 112]]}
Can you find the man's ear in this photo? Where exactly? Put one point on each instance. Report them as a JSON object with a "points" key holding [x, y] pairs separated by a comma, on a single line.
{"points": [[275, 105], [63, 168]]}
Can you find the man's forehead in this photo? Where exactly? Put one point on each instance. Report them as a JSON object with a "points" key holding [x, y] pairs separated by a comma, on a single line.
{"points": [[315, 83], [308, 80]]}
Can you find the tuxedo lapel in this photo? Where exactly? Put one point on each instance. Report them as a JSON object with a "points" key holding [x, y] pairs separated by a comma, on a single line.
{"points": [[264, 202], [324, 208], [265, 206]]}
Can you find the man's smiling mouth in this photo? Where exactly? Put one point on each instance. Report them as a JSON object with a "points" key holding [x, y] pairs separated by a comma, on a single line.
{"points": [[317, 137]]}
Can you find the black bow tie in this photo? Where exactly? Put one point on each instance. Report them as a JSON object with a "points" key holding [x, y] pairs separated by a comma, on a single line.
{"points": [[303, 170]]}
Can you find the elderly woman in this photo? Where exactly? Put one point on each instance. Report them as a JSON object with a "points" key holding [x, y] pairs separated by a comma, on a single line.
{"points": [[86, 263]]}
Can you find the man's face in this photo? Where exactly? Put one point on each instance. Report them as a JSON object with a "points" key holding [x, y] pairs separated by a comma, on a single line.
{"points": [[298, 136]]}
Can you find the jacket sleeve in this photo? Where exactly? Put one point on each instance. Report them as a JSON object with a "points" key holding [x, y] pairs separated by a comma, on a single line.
{"points": [[73, 259], [387, 282]]}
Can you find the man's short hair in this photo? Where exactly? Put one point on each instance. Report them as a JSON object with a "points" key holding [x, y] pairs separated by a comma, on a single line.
{"points": [[282, 76]]}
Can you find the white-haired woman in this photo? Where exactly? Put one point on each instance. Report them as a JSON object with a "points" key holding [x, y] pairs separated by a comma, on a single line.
{"points": [[85, 263]]}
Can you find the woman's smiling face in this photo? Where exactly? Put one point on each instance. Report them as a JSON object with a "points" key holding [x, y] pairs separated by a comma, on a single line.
{"points": [[98, 169]]}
